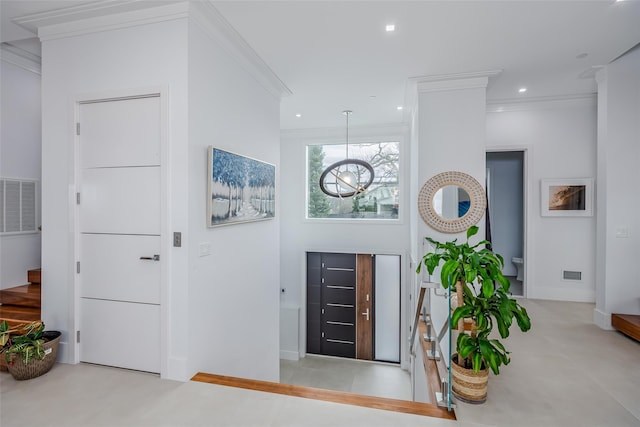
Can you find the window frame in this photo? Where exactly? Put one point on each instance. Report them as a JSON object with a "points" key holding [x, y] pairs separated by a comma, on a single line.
{"points": [[398, 139]]}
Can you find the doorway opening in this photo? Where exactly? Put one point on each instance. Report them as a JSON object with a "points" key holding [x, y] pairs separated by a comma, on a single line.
{"points": [[353, 326], [506, 213], [353, 306]]}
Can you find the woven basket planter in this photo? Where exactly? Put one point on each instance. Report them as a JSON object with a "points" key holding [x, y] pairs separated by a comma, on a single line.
{"points": [[37, 367], [468, 386]]}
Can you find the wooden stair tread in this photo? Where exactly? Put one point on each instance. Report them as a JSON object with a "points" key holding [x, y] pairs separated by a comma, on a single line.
{"points": [[16, 314], [628, 324], [25, 296]]}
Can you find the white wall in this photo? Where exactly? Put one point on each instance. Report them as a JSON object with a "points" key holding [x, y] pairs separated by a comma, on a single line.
{"points": [[451, 126], [234, 292], [20, 133], [618, 177], [560, 139], [299, 235], [104, 63], [220, 312]]}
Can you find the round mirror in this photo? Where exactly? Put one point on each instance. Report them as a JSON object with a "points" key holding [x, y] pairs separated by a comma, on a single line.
{"points": [[451, 202]]}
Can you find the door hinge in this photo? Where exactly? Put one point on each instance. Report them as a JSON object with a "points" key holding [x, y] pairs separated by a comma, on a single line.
{"points": [[78, 128], [78, 267], [323, 335], [323, 280], [323, 311], [77, 198], [77, 336]]}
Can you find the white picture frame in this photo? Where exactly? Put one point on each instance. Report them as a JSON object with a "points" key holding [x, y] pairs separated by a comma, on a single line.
{"points": [[566, 197]]}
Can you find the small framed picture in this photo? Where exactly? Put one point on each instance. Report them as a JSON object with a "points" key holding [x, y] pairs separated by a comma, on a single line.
{"points": [[566, 197]]}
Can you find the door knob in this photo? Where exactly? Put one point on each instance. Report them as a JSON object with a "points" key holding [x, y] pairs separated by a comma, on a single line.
{"points": [[153, 258], [366, 313]]}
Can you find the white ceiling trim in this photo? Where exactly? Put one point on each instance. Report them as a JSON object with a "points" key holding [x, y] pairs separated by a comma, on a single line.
{"points": [[330, 135], [20, 58], [542, 103], [209, 19], [457, 81], [57, 24]]}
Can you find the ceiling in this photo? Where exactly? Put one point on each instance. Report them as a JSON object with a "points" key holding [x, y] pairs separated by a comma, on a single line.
{"points": [[336, 55]]}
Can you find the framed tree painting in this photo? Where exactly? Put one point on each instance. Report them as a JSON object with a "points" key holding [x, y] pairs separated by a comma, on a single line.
{"points": [[240, 189], [566, 197]]}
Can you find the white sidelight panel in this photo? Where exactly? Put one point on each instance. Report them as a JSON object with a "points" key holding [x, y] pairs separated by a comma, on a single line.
{"points": [[387, 308]]}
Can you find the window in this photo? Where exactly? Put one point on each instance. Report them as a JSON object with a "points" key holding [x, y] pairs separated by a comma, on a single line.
{"points": [[18, 206], [379, 201]]}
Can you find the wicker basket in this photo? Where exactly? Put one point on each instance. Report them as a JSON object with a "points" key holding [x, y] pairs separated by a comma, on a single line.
{"points": [[37, 367], [468, 386]]}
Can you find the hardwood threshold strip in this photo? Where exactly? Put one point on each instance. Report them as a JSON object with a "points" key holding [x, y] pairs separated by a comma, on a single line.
{"points": [[416, 408]]}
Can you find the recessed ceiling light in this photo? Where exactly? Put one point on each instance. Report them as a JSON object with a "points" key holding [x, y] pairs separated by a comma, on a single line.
{"points": [[390, 27], [399, 108], [582, 55], [372, 97], [298, 115], [522, 90]]}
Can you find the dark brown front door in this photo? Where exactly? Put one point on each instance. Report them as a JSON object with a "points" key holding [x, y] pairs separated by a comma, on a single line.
{"points": [[331, 304], [339, 305]]}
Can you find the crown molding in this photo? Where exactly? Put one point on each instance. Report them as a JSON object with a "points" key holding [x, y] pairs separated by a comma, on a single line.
{"points": [[457, 81], [210, 20], [107, 15], [541, 103], [102, 15], [20, 58], [356, 133]]}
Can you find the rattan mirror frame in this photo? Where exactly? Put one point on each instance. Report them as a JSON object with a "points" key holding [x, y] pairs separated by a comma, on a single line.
{"points": [[477, 206]]}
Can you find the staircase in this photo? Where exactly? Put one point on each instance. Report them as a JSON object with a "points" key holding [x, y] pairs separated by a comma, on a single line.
{"points": [[22, 303]]}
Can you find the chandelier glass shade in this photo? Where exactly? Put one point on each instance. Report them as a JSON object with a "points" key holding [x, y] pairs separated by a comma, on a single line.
{"points": [[347, 177]]}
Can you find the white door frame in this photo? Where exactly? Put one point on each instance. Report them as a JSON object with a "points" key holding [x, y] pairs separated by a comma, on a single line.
{"points": [[527, 192], [165, 215]]}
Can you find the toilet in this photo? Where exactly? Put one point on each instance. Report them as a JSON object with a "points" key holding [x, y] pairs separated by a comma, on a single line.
{"points": [[519, 263]]}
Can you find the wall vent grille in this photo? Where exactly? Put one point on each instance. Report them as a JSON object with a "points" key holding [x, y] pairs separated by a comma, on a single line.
{"points": [[572, 275], [18, 206]]}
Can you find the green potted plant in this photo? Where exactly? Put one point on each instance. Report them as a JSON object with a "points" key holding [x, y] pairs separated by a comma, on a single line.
{"points": [[29, 350], [476, 273]]}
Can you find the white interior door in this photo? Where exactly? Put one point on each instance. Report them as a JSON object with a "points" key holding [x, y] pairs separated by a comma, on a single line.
{"points": [[119, 154]]}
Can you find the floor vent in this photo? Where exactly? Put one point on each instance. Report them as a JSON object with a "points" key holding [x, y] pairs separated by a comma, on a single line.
{"points": [[572, 275]]}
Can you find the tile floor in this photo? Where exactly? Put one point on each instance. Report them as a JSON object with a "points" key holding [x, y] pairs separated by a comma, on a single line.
{"points": [[354, 376], [565, 372]]}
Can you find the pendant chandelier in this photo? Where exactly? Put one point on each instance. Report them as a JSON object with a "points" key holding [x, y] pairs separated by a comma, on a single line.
{"points": [[347, 177]]}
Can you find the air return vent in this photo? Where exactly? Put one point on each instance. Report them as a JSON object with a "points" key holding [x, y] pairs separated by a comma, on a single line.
{"points": [[571, 275]]}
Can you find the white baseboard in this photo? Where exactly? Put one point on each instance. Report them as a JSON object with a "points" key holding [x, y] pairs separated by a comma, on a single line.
{"points": [[177, 370], [289, 355], [574, 295], [602, 319]]}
